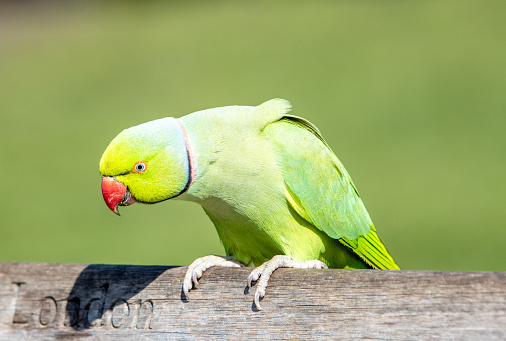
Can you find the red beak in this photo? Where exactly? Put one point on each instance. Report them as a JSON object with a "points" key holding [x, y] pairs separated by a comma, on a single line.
{"points": [[115, 194]]}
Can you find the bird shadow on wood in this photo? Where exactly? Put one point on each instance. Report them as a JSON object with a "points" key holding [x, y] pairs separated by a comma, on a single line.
{"points": [[106, 289]]}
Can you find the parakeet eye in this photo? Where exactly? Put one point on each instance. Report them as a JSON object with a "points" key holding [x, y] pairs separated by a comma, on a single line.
{"points": [[140, 167]]}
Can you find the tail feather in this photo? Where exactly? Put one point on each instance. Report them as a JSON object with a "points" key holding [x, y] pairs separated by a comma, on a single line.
{"points": [[371, 250]]}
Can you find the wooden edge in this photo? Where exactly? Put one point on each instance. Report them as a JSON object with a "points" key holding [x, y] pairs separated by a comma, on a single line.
{"points": [[89, 302]]}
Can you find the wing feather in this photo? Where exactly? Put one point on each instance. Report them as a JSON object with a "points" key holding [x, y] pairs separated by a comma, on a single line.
{"points": [[320, 190]]}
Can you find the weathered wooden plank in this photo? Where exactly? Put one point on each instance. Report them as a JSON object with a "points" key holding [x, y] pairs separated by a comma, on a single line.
{"points": [[89, 302]]}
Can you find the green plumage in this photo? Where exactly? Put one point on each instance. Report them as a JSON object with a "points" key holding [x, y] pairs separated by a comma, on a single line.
{"points": [[322, 192], [272, 186]]}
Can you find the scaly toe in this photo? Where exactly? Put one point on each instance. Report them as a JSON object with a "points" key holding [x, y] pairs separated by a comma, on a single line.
{"points": [[319, 265], [262, 273], [255, 274], [197, 268]]}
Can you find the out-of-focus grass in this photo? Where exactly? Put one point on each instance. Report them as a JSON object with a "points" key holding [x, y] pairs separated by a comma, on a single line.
{"points": [[411, 97]]}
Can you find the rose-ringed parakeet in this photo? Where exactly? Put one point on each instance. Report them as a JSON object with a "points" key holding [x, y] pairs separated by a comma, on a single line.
{"points": [[276, 193]]}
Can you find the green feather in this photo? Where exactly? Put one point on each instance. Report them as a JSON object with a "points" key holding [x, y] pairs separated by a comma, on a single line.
{"points": [[320, 190], [372, 251]]}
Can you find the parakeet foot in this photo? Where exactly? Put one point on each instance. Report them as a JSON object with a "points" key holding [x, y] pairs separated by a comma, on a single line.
{"points": [[263, 272], [199, 265]]}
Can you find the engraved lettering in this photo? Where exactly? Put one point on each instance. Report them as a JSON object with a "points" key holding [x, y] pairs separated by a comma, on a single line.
{"points": [[48, 308], [120, 313], [145, 314], [17, 317], [94, 309], [73, 312], [133, 307], [93, 313]]}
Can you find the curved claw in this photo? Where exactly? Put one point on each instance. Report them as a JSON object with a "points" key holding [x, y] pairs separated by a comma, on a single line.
{"points": [[258, 295], [186, 289], [195, 278], [252, 278]]}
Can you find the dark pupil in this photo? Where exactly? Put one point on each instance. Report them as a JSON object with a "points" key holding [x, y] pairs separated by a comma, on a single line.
{"points": [[140, 167]]}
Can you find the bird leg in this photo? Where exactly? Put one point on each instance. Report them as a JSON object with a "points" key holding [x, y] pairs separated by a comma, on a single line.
{"points": [[199, 265], [265, 271]]}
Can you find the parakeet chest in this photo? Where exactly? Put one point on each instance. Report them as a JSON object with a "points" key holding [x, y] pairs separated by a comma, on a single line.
{"points": [[249, 218], [240, 186]]}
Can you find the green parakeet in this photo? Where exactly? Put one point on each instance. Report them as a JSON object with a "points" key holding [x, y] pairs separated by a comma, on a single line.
{"points": [[276, 193]]}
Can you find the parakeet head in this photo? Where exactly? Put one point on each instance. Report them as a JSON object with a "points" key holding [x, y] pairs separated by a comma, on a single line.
{"points": [[146, 163]]}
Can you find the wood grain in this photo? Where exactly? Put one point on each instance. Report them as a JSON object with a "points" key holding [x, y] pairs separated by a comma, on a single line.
{"points": [[108, 302]]}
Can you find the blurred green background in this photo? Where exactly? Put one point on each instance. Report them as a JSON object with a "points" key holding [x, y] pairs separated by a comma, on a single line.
{"points": [[410, 96]]}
